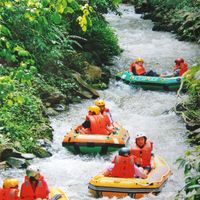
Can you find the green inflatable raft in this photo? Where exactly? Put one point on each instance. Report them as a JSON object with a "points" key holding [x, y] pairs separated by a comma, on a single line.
{"points": [[149, 82]]}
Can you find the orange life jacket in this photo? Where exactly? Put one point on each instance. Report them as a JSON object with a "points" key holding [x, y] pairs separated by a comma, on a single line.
{"points": [[139, 69], [143, 155], [97, 125], [41, 191], [183, 68], [9, 194], [123, 167]]}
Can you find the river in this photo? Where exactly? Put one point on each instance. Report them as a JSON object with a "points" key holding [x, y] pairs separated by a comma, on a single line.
{"points": [[137, 110]]}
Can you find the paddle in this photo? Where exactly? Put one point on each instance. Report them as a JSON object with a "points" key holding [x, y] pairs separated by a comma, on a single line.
{"points": [[56, 197]]}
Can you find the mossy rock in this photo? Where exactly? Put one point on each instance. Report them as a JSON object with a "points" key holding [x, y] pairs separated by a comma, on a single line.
{"points": [[41, 152]]}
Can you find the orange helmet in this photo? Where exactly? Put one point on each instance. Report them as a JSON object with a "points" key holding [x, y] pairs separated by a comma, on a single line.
{"points": [[100, 102], [94, 109], [10, 183], [139, 60]]}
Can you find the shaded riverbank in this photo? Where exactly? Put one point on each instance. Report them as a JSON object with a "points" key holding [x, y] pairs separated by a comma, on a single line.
{"points": [[180, 17]]}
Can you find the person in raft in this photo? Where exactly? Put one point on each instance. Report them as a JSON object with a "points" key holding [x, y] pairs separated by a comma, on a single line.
{"points": [[10, 189], [95, 122], [181, 67], [124, 166], [142, 150], [138, 69], [34, 186], [104, 111]]}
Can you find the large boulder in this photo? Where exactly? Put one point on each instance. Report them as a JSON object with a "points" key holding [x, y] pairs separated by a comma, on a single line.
{"points": [[17, 162]]}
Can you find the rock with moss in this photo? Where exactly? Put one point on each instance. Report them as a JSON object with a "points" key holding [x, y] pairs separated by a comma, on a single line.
{"points": [[41, 152], [17, 162]]}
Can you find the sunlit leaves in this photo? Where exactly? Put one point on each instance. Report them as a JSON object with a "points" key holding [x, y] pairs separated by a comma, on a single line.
{"points": [[83, 20]]}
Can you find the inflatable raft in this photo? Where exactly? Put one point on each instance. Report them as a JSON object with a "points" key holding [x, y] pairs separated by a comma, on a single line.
{"points": [[77, 142], [57, 194], [101, 186], [149, 82]]}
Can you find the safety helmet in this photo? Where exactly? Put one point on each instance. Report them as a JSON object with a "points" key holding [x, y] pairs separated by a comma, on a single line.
{"points": [[10, 183], [124, 151], [94, 109], [179, 60], [139, 60], [32, 171], [141, 135], [100, 102]]}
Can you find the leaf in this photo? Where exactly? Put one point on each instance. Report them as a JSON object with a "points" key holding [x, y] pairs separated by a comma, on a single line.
{"points": [[4, 30], [56, 18], [10, 103], [194, 186], [69, 10], [19, 99]]}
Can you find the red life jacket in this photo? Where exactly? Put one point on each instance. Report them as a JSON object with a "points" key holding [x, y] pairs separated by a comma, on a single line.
{"points": [[41, 191], [143, 155], [9, 194], [183, 68], [123, 167], [139, 69], [97, 125], [107, 116]]}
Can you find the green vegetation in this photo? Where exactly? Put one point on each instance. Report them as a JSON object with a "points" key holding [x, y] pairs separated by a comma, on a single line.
{"points": [[42, 44], [179, 16], [190, 111]]}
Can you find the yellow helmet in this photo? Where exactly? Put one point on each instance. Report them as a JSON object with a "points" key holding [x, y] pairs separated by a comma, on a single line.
{"points": [[100, 102], [94, 109], [139, 60], [10, 183]]}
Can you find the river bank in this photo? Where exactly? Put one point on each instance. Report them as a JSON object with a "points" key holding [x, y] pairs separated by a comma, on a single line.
{"points": [[179, 17], [189, 109], [52, 54]]}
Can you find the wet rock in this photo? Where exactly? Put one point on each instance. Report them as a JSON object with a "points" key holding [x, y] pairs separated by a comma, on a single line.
{"points": [[88, 92], [60, 107], [5, 152], [50, 112], [17, 162], [3, 165], [44, 143], [192, 127], [28, 156], [53, 98], [92, 72], [84, 94], [41, 152]]}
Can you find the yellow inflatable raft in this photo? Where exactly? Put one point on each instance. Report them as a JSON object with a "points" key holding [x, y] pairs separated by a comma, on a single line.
{"points": [[101, 186], [57, 194]]}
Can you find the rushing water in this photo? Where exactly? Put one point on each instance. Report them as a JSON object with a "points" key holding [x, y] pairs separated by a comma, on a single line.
{"points": [[137, 110]]}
